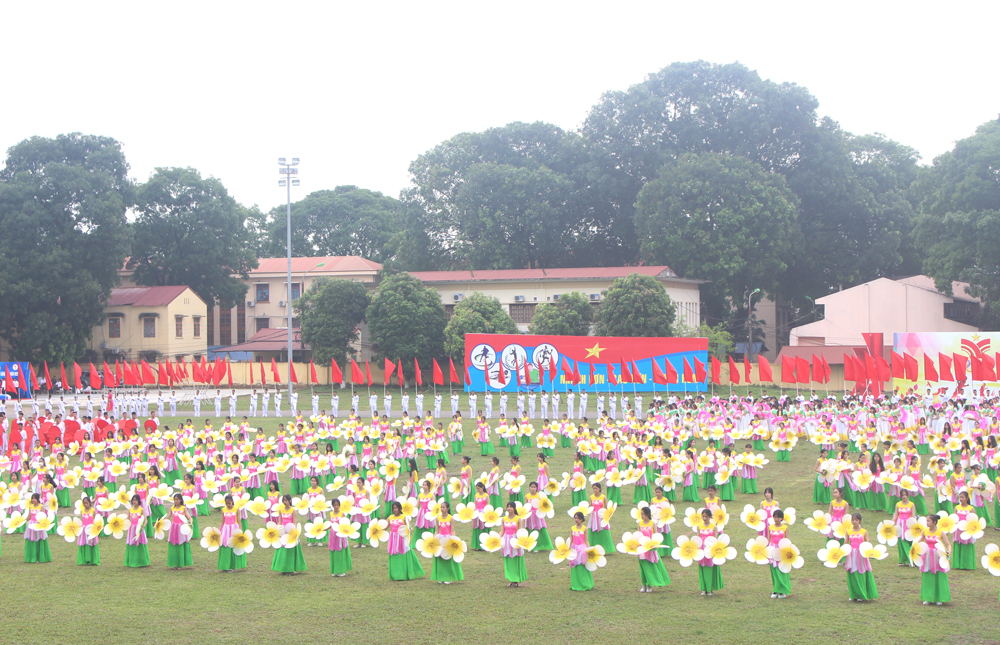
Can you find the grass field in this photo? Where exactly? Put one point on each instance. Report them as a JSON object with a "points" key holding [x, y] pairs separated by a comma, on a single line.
{"points": [[62, 602]]}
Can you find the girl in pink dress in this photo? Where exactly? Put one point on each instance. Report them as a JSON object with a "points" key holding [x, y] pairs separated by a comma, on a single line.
{"points": [[934, 578], [88, 550], [179, 540], [340, 547], [444, 570], [36, 542], [228, 560], [403, 562], [513, 555], [136, 551], [860, 581], [709, 574], [651, 569], [581, 579]]}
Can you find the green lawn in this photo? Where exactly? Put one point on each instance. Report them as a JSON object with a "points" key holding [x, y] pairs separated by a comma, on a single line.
{"points": [[61, 602]]}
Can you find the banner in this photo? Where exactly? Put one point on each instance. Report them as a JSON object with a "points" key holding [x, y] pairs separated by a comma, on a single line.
{"points": [[523, 362], [15, 368], [974, 346]]}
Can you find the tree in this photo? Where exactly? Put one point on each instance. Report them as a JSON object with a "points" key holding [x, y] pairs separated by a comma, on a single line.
{"points": [[190, 231], [721, 219], [330, 313], [406, 320], [65, 237], [476, 314], [720, 341], [572, 315], [635, 305], [344, 221]]}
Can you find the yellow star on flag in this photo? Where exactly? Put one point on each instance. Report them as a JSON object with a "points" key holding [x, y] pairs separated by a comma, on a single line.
{"points": [[595, 350]]}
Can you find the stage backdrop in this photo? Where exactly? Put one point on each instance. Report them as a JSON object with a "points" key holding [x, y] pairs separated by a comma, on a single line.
{"points": [[974, 344], [487, 354], [14, 369]]}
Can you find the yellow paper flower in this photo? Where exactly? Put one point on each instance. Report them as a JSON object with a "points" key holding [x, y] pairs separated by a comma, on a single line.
{"points": [[336, 484], [389, 470], [753, 518], [95, 528], [116, 525], [525, 540], [455, 488], [211, 538], [259, 507], [316, 530], [578, 481], [544, 506], [409, 506], [428, 545], [647, 544], [595, 558], [70, 528], [490, 542], [971, 528], [872, 551], [453, 549], [290, 536], [718, 549], [787, 556], [161, 528], [833, 553], [465, 513], [886, 532], [347, 529], [758, 550], [553, 488], [820, 522], [269, 537], [607, 513], [378, 531], [991, 561], [43, 522], [561, 551], [490, 516], [688, 550], [947, 523], [15, 521]]}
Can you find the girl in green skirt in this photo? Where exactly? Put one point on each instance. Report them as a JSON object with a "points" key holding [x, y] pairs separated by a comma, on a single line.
{"points": [[821, 488], [88, 550], [860, 581], [136, 551], [580, 577], [513, 555], [340, 546], [36, 542], [934, 587], [288, 559], [179, 540], [403, 562], [446, 570]]}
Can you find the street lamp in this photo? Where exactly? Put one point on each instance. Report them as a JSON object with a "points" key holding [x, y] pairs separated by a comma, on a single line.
{"points": [[288, 169], [750, 323], [302, 289]]}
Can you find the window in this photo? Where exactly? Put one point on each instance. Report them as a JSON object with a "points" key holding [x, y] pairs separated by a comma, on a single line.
{"points": [[263, 293], [296, 291], [262, 323], [225, 326], [149, 327], [179, 326], [114, 327], [197, 326], [522, 314], [295, 323]]}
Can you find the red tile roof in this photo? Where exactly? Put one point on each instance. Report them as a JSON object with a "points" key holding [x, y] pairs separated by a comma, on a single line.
{"points": [[581, 273], [272, 339], [335, 264], [145, 296]]}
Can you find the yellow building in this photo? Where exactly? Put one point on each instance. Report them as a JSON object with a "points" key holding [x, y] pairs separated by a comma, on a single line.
{"points": [[153, 322]]}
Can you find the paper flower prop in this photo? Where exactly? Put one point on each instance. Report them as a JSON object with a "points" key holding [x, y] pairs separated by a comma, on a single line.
{"points": [[598, 476], [758, 550], [863, 479], [790, 515], [583, 507], [839, 529], [116, 525], [908, 484], [578, 481], [429, 545], [688, 550], [389, 470], [490, 516], [718, 549], [819, 522], [787, 556], [161, 528], [70, 479], [336, 484], [873, 551], [947, 523], [595, 558], [259, 507], [15, 521], [607, 513], [525, 540], [94, 529], [753, 518], [43, 522], [971, 528], [409, 506], [886, 533], [692, 517], [301, 505], [637, 511], [833, 553], [663, 515], [465, 513], [647, 544], [630, 544], [561, 551], [316, 530], [211, 538], [455, 488], [269, 537], [378, 531], [543, 506], [122, 496], [553, 488], [490, 542], [290, 535], [70, 528], [453, 548], [991, 559], [346, 529]]}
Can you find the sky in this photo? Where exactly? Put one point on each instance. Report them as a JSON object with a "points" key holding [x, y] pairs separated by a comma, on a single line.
{"points": [[359, 90]]}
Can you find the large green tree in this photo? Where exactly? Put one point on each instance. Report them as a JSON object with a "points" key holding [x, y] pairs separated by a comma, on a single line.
{"points": [[635, 305], [65, 236], [406, 320], [330, 314], [344, 221], [722, 219], [572, 315], [475, 314], [189, 230]]}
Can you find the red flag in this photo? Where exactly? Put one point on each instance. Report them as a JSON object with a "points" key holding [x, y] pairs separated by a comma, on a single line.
{"points": [[22, 382], [109, 376], [368, 372], [788, 369], [501, 376], [295, 377], [576, 373], [626, 375], [439, 377], [552, 369], [468, 377], [8, 382], [229, 373], [802, 370], [389, 368], [356, 376], [747, 367], [591, 382], [688, 374], [161, 374], [716, 371], [669, 372], [611, 374], [48, 379], [897, 365], [658, 377], [136, 374], [527, 374], [945, 365], [274, 372], [976, 368], [636, 374], [910, 370], [989, 368], [312, 373], [734, 372], [62, 374], [959, 363], [196, 374], [336, 376], [251, 373], [452, 374], [848, 369], [399, 374], [930, 374], [517, 373], [565, 367], [700, 375], [884, 372], [34, 381], [420, 377], [871, 368], [764, 370], [827, 372], [95, 378], [77, 373], [147, 373]]}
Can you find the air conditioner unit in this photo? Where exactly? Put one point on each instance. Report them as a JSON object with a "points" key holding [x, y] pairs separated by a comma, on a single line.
{"points": [[595, 296], [104, 345], [281, 303], [458, 297], [518, 298], [116, 350], [250, 304], [555, 297]]}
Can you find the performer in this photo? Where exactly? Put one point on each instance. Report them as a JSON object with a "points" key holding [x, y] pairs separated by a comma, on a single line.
{"points": [[228, 560], [447, 570], [580, 578], [860, 580], [651, 570], [934, 579], [36, 541], [136, 551], [403, 562], [513, 555], [709, 574], [340, 547], [88, 549]]}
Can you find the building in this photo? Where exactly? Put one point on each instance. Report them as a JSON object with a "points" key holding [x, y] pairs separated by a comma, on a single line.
{"points": [[152, 323], [885, 305], [521, 290]]}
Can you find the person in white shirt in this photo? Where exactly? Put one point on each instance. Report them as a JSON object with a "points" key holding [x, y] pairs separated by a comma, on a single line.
{"points": [[555, 405], [62, 406], [454, 403], [76, 406], [159, 403], [420, 404], [545, 404], [293, 402], [315, 402], [387, 404], [437, 406], [503, 403], [34, 405], [600, 403], [520, 404], [253, 402], [532, 397], [173, 403], [145, 404], [232, 404], [218, 403], [90, 406], [102, 405], [355, 402], [373, 403], [489, 405], [570, 407], [637, 402], [612, 407], [277, 403], [404, 402], [265, 402], [473, 402], [335, 404], [583, 404], [196, 400], [624, 405]]}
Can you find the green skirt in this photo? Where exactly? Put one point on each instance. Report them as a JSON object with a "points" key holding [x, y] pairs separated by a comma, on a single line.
{"points": [[288, 560], [848, 494], [903, 550], [516, 497], [37, 551], [602, 538], [474, 545], [984, 514], [62, 497], [923, 449], [615, 494], [728, 492], [88, 554], [155, 513], [748, 485], [821, 493], [579, 496], [880, 502], [943, 506], [580, 579], [514, 450], [204, 509], [641, 494], [89, 492], [446, 570], [496, 501], [229, 561], [919, 504], [784, 455], [934, 587], [136, 556], [179, 555], [758, 444], [963, 556], [564, 442], [486, 448], [340, 561], [548, 452], [514, 569], [861, 586], [690, 494], [544, 541], [710, 578], [653, 574], [996, 511], [405, 566], [525, 441], [781, 582]]}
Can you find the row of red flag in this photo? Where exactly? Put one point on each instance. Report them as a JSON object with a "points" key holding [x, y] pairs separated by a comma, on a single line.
{"points": [[956, 367]]}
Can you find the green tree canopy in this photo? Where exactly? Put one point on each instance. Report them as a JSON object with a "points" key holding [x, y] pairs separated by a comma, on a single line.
{"points": [[330, 313], [635, 305], [476, 314], [406, 320], [190, 231], [65, 236], [572, 315], [344, 221]]}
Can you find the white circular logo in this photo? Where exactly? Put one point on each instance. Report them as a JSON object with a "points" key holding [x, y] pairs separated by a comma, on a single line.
{"points": [[483, 356], [513, 357], [544, 355], [493, 376]]}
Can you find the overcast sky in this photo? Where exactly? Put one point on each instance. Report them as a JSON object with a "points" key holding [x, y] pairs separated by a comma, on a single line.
{"points": [[358, 90]]}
